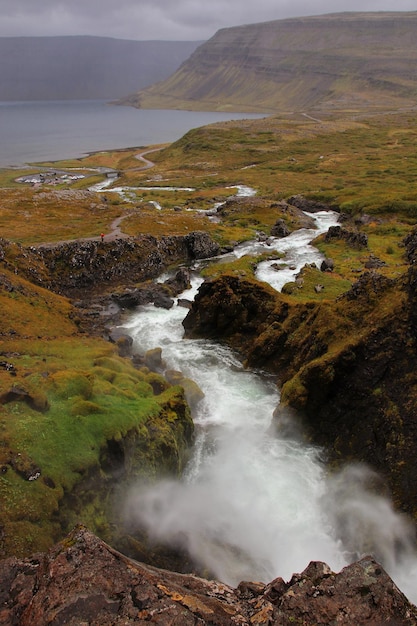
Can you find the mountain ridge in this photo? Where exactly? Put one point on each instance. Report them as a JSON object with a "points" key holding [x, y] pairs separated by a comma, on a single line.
{"points": [[333, 61]]}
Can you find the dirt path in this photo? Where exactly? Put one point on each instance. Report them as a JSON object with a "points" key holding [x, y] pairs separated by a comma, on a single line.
{"points": [[141, 157], [115, 231]]}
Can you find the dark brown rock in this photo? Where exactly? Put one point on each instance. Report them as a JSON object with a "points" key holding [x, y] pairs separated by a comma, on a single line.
{"points": [[82, 580], [327, 265], [94, 265], [280, 229], [200, 245], [146, 293], [311, 206], [354, 239], [180, 282]]}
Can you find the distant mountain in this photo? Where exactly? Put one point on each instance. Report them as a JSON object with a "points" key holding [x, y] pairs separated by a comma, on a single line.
{"points": [[62, 68], [345, 60]]}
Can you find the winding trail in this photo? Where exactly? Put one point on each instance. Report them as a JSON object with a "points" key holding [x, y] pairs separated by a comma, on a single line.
{"points": [[141, 157], [115, 231]]}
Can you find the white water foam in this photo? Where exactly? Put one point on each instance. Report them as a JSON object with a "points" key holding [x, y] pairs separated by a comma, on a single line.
{"points": [[256, 501]]}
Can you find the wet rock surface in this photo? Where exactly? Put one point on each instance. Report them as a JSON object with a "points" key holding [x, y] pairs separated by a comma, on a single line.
{"points": [[82, 580]]}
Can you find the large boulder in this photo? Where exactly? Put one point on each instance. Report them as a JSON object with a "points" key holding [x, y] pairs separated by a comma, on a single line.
{"points": [[354, 239], [280, 229], [201, 245], [179, 282], [84, 581]]}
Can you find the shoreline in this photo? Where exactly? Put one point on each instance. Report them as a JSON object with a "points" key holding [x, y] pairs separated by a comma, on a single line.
{"points": [[44, 131]]}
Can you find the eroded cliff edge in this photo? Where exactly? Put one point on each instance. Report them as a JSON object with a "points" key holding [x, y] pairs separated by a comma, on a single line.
{"points": [[349, 366]]}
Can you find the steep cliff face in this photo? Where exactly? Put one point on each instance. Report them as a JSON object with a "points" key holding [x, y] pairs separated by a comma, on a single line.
{"points": [[331, 61], [348, 366], [84, 581]]}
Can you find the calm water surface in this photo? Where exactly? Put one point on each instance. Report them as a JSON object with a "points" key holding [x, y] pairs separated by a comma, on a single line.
{"points": [[43, 131]]}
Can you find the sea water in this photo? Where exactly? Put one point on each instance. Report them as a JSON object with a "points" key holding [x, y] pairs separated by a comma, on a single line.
{"points": [[43, 131]]}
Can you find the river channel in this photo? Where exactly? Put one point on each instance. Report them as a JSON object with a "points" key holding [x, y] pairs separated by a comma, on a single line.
{"points": [[256, 501]]}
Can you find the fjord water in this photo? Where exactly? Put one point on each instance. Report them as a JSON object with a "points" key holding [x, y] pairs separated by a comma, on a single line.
{"points": [[256, 500], [43, 131]]}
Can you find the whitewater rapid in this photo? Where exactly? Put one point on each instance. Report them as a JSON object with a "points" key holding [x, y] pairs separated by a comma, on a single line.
{"points": [[256, 501]]}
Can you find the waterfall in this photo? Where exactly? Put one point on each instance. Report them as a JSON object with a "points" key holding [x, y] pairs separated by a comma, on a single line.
{"points": [[256, 501]]}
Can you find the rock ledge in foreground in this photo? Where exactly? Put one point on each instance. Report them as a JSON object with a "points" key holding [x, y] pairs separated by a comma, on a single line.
{"points": [[82, 580]]}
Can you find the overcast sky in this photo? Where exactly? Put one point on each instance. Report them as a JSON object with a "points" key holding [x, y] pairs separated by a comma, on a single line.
{"points": [[186, 20]]}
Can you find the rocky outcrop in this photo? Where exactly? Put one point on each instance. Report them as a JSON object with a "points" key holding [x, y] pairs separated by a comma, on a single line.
{"points": [[353, 239], [160, 294], [309, 205], [280, 229], [94, 265], [82, 580]]}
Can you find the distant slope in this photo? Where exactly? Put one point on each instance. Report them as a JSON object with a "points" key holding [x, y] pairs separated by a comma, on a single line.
{"points": [[62, 68], [345, 60]]}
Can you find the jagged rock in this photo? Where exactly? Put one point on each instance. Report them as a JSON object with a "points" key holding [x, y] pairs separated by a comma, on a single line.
{"points": [[119, 333], [261, 236], [226, 306], [354, 239], [157, 293], [187, 304], [162, 301], [368, 285], [82, 580], [327, 265], [311, 206], [123, 341], [127, 300], [180, 282], [330, 358], [280, 229], [410, 243], [374, 263], [91, 265], [201, 246]]}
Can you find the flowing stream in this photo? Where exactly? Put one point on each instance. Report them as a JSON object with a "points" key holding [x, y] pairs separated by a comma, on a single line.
{"points": [[256, 501]]}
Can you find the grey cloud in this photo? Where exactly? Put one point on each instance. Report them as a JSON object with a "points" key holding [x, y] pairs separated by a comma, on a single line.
{"points": [[163, 19]]}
